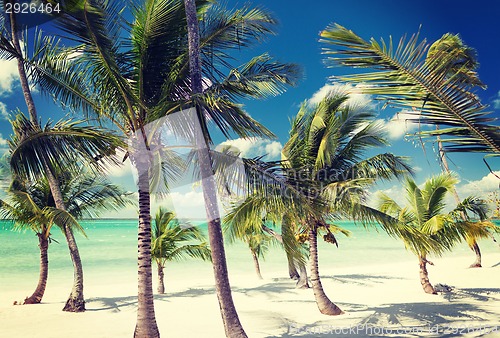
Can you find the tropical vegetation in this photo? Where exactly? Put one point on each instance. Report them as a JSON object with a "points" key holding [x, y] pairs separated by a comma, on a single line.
{"points": [[30, 205], [326, 177], [171, 241], [407, 77], [434, 83], [158, 68], [435, 229], [37, 152], [135, 74]]}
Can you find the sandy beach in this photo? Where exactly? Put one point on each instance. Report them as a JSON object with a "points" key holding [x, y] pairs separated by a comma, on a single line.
{"points": [[381, 300]]}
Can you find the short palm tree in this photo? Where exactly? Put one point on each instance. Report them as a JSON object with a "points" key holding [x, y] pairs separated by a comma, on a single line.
{"points": [[434, 230], [31, 206], [258, 242], [326, 176], [44, 152], [24, 208], [172, 241]]}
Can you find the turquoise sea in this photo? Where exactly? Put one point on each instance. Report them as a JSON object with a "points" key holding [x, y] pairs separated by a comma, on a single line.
{"points": [[111, 250]]}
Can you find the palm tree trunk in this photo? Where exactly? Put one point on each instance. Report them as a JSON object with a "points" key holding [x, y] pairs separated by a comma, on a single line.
{"points": [[477, 263], [20, 68], [232, 325], [75, 301], [36, 297], [302, 283], [292, 269], [256, 263], [146, 326], [161, 275], [444, 161], [325, 305], [424, 276]]}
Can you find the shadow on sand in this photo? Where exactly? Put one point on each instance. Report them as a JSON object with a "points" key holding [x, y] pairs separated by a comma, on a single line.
{"points": [[116, 304], [438, 319]]}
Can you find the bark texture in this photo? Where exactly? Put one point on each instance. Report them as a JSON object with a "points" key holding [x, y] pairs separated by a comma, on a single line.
{"points": [[302, 282], [20, 67], [292, 269], [256, 263], [76, 301], [424, 276], [161, 277], [232, 325], [325, 305], [146, 326], [477, 251], [36, 297]]}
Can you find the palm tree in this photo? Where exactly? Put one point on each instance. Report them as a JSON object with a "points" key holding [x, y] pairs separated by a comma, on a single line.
{"points": [[31, 206], [435, 231], [326, 145], [405, 77], [232, 325], [92, 149], [327, 176], [37, 153], [26, 213], [136, 74], [172, 241], [257, 240], [436, 82], [462, 63]]}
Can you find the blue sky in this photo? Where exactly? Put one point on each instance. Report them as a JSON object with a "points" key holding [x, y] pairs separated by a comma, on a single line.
{"points": [[297, 41]]}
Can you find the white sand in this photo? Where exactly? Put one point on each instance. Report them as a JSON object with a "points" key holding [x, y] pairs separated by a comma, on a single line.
{"points": [[384, 296]]}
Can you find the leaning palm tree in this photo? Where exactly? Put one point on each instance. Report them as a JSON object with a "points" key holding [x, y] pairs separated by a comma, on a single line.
{"points": [[405, 77], [135, 74], [172, 241], [327, 175], [24, 209], [435, 231], [31, 206], [92, 148], [327, 143], [38, 152]]}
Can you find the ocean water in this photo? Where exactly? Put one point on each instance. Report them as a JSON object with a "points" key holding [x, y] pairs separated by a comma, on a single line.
{"points": [[110, 249]]}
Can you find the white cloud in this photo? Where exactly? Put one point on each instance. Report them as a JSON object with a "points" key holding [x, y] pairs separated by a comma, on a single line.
{"points": [[8, 75], [122, 170], [496, 102], [4, 113], [399, 125], [187, 204], [481, 188], [3, 146], [252, 147], [355, 97]]}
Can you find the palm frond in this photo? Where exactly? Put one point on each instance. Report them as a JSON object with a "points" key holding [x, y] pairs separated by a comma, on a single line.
{"points": [[88, 195], [60, 146], [64, 219], [405, 76]]}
